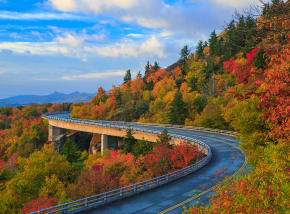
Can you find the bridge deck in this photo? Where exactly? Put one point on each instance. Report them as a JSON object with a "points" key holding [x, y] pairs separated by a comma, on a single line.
{"points": [[169, 196]]}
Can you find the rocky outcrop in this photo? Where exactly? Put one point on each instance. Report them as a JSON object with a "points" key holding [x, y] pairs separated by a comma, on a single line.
{"points": [[95, 145], [120, 143], [173, 66], [77, 137], [59, 142]]}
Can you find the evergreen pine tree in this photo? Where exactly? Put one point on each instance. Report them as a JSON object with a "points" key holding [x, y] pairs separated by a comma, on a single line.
{"points": [[129, 141], [156, 67], [265, 8], [218, 47], [177, 110], [164, 137], [241, 32], [199, 49], [205, 44], [251, 30], [118, 98], [230, 47], [260, 59], [142, 147], [274, 2], [139, 75], [147, 67], [149, 86], [212, 42], [70, 151], [184, 53], [127, 76]]}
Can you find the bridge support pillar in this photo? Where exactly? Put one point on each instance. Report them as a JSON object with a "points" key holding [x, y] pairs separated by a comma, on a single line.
{"points": [[54, 132], [109, 142]]}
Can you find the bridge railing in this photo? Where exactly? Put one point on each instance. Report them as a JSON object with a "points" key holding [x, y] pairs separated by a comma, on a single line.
{"points": [[193, 128], [117, 194]]}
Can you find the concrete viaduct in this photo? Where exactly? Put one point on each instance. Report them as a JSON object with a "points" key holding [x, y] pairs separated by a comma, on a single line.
{"points": [[109, 137], [169, 198]]}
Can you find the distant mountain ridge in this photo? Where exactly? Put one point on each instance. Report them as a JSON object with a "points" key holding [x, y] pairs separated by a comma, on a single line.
{"points": [[56, 97]]}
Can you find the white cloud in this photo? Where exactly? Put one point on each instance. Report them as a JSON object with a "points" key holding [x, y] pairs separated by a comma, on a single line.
{"points": [[55, 29], [238, 4], [153, 46], [76, 45], [135, 35], [44, 79], [91, 6], [95, 75], [108, 22], [139, 11], [64, 5], [129, 48], [166, 33], [36, 33], [73, 44], [152, 22], [84, 60], [81, 45], [70, 40], [69, 51], [41, 48], [154, 14], [39, 16], [15, 36], [77, 40], [195, 22]]}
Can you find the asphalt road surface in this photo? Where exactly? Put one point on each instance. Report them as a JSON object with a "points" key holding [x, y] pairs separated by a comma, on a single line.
{"points": [[172, 198]]}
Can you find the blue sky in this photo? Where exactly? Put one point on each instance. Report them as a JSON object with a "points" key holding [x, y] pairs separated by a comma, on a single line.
{"points": [[80, 45]]}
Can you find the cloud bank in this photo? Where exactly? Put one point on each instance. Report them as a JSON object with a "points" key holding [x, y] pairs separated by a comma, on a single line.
{"points": [[40, 48], [76, 45], [10, 15], [238, 4], [153, 14], [7, 51], [95, 75]]}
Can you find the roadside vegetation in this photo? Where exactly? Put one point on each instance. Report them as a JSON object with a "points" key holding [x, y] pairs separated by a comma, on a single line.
{"points": [[238, 80]]}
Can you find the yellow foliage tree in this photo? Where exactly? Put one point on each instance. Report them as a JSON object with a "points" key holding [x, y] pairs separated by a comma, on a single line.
{"points": [[162, 87], [196, 73]]}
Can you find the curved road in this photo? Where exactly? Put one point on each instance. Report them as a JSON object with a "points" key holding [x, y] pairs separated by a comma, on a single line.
{"points": [[172, 197]]}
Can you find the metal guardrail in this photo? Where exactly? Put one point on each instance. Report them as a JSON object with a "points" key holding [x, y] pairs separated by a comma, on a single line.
{"points": [[114, 195], [193, 128]]}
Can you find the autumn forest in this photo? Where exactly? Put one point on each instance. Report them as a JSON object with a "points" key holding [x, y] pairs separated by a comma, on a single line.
{"points": [[238, 80]]}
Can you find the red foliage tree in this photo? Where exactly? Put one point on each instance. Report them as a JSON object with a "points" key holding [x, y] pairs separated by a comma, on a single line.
{"points": [[158, 75], [12, 162], [2, 165], [159, 161], [275, 96], [240, 71], [183, 155], [100, 97], [2, 150], [93, 182], [38, 204]]}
